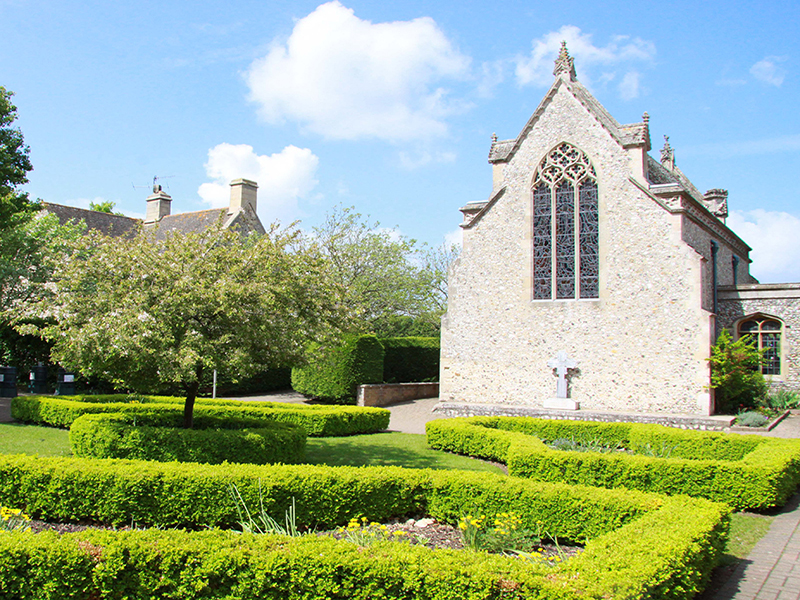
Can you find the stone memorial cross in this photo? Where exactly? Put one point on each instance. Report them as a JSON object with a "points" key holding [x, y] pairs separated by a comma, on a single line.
{"points": [[561, 364]]}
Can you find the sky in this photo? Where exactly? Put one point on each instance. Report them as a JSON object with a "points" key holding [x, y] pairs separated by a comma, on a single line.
{"points": [[389, 107]]}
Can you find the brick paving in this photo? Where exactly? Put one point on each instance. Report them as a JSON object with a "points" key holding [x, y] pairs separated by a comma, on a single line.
{"points": [[772, 569]]}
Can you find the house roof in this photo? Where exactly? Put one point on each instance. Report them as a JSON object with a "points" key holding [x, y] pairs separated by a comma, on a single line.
{"points": [[107, 223]]}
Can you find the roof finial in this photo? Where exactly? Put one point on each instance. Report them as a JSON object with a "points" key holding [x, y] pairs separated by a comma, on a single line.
{"points": [[565, 63], [494, 138], [645, 118], [667, 154]]}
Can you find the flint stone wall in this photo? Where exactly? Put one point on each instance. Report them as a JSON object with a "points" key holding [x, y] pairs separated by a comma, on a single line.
{"points": [[641, 346]]}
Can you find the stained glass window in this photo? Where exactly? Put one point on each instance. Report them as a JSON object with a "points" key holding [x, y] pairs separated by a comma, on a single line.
{"points": [[766, 332], [565, 226]]}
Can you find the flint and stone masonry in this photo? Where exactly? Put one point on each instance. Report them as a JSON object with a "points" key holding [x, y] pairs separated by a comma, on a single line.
{"points": [[661, 255]]}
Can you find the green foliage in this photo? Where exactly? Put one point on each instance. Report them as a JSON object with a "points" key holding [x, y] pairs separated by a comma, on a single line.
{"points": [[501, 534], [13, 519], [154, 311], [107, 206], [14, 166], [736, 373], [61, 411], [782, 400], [334, 372], [572, 445], [379, 273], [743, 471], [410, 359], [262, 522], [637, 545], [751, 418], [158, 436]]}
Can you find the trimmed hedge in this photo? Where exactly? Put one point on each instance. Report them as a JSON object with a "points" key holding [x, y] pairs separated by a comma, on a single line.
{"points": [[334, 374], [638, 545], [317, 421], [161, 437], [410, 359], [747, 472]]}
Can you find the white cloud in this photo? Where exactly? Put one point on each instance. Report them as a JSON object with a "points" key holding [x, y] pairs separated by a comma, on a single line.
{"points": [[768, 71], [621, 52], [776, 245], [346, 78], [629, 86], [283, 178]]}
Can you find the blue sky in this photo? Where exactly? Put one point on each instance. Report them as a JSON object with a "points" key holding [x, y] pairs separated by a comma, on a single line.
{"points": [[390, 106]]}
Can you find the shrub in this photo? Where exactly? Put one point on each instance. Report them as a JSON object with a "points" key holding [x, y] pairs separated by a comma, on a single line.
{"points": [[782, 400], [743, 471], [736, 373], [160, 436], [334, 374], [637, 545], [318, 421], [751, 419], [410, 359]]}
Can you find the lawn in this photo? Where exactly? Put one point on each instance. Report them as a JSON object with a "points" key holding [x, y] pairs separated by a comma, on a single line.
{"points": [[377, 449]]}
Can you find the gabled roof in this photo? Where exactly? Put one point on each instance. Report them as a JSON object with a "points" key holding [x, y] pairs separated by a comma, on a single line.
{"points": [[630, 135], [190, 222], [106, 223]]}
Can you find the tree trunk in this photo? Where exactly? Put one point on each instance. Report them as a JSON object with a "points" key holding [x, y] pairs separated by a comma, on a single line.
{"points": [[191, 394]]}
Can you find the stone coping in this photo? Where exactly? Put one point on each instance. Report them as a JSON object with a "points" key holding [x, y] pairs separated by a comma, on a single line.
{"points": [[700, 422], [386, 394]]}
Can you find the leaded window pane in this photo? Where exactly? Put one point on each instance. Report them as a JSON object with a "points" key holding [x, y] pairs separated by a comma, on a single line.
{"points": [[766, 335], [542, 243], [589, 240], [565, 226], [565, 241]]}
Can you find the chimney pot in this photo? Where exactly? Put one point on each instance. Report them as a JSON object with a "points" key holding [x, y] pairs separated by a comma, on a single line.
{"points": [[244, 193]]}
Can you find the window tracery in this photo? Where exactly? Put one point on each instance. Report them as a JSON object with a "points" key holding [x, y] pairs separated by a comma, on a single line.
{"points": [[766, 333], [565, 226]]}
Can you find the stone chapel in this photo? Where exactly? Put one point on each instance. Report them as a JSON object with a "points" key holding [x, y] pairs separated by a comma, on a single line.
{"points": [[590, 251]]}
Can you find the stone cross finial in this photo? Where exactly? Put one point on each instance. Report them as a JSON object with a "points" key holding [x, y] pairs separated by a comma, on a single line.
{"points": [[561, 364], [565, 63], [667, 154]]}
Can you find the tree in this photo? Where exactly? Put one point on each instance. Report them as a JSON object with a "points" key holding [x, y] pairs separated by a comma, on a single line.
{"points": [[149, 312], [736, 373], [381, 274], [30, 251], [107, 206], [14, 166]]}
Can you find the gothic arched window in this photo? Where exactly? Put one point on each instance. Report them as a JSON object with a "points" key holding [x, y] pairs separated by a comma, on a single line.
{"points": [[766, 333], [565, 226]]}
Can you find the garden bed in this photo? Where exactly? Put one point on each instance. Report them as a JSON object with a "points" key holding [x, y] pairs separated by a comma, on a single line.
{"points": [[637, 545], [750, 472]]}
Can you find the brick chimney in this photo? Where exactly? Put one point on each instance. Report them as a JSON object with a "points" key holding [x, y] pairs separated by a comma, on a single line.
{"points": [[244, 193], [158, 205]]}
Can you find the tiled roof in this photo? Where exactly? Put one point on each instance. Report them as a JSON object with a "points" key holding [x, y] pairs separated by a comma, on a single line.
{"points": [[191, 221], [107, 223]]}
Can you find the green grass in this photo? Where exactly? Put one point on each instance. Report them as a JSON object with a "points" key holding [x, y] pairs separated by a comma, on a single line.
{"points": [[16, 438], [746, 530], [400, 449]]}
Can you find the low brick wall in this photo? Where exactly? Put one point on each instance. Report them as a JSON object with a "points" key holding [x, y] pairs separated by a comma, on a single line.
{"points": [[384, 394], [464, 409]]}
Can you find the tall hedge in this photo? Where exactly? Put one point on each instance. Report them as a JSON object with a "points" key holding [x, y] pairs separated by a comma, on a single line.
{"points": [[334, 373], [410, 359]]}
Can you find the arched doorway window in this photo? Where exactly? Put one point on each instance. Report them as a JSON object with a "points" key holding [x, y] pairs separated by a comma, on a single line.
{"points": [[767, 333], [565, 226]]}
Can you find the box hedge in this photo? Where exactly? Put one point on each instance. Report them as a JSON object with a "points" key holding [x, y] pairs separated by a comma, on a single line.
{"points": [[747, 472], [638, 545], [410, 359], [334, 373], [161, 437], [317, 421]]}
